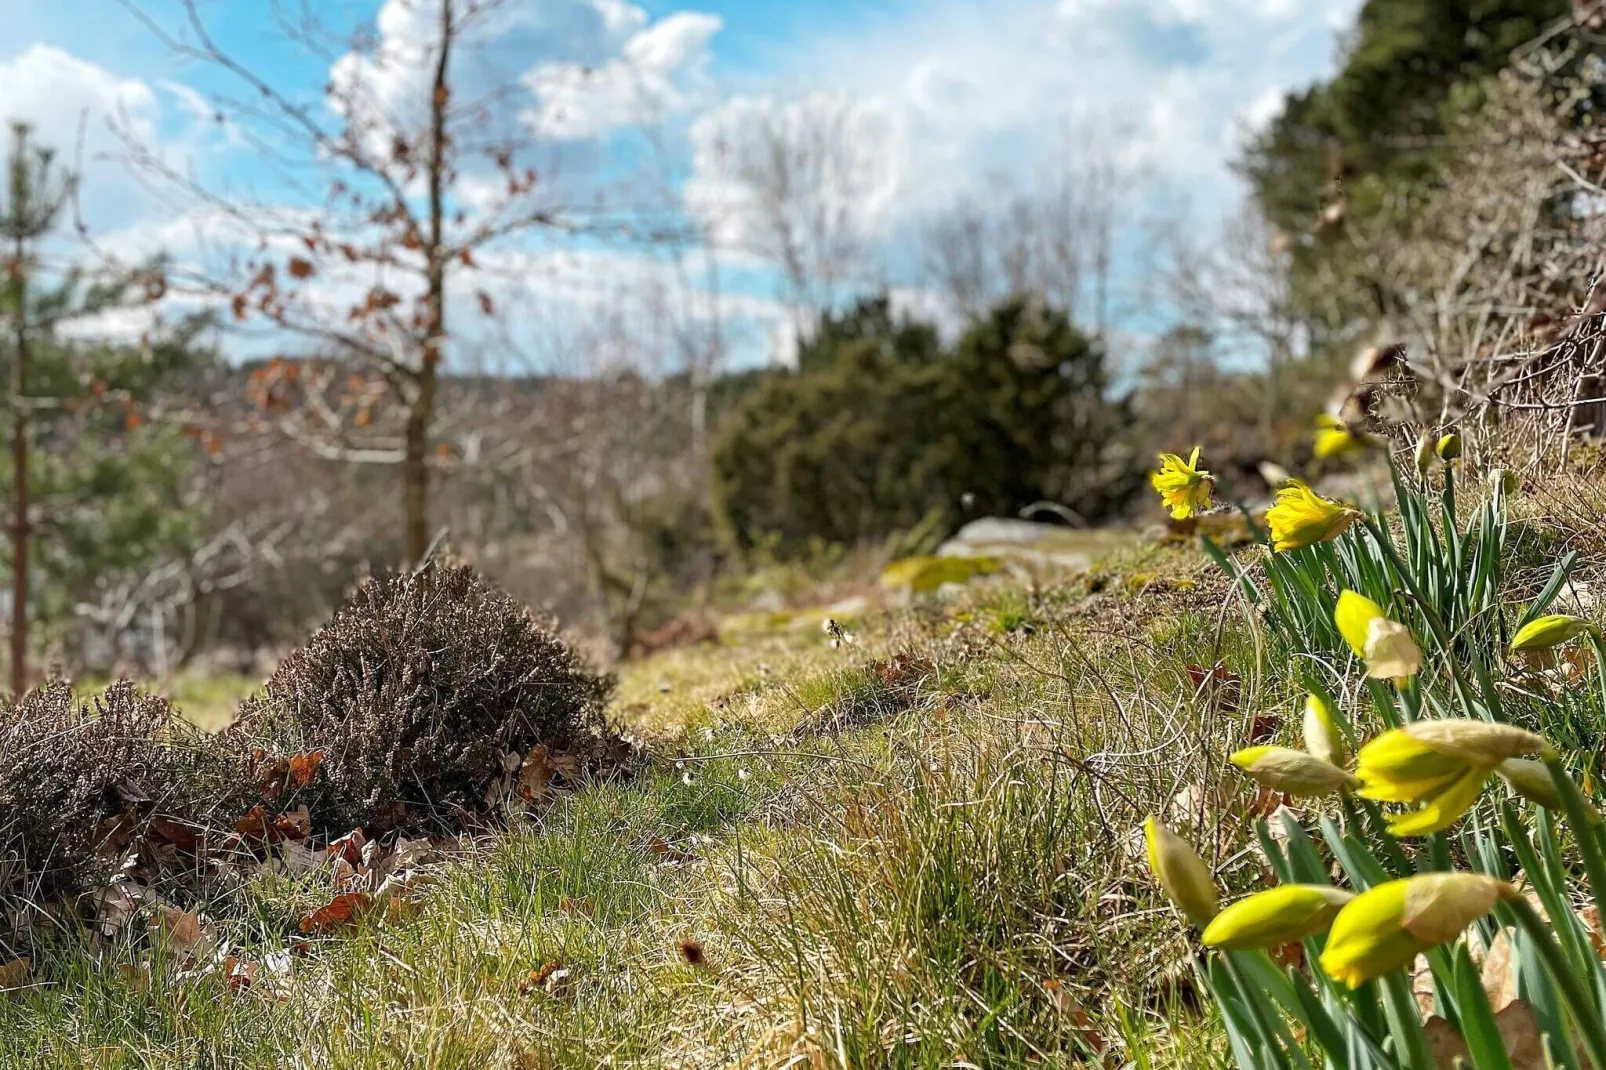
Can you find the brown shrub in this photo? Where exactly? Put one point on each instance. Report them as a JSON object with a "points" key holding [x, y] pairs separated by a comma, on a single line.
{"points": [[415, 693], [80, 781]]}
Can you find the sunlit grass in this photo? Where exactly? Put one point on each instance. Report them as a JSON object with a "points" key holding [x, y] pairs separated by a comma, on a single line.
{"points": [[825, 866]]}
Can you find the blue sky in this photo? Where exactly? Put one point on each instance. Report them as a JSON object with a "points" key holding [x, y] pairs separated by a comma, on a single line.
{"points": [[947, 100]]}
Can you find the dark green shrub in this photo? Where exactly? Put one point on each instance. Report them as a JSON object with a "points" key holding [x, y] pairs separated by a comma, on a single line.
{"points": [[415, 692], [880, 430]]}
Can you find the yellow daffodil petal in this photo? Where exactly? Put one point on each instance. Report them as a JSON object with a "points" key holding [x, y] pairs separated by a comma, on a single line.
{"points": [[1300, 517], [1444, 808], [1184, 488], [1276, 916], [1354, 615]]}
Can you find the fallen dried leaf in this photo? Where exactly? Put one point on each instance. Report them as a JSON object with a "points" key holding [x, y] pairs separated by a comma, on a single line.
{"points": [[349, 847], [546, 979], [342, 910], [303, 767], [294, 824], [255, 824], [14, 974], [184, 931], [1499, 972], [668, 853], [536, 773]]}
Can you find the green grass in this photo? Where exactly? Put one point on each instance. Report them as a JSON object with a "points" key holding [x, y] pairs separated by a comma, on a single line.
{"points": [[925, 870]]}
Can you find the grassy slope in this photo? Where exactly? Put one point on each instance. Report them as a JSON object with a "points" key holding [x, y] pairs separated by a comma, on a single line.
{"points": [[917, 862]]}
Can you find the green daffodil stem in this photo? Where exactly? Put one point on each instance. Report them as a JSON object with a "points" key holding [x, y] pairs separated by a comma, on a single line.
{"points": [[1585, 831], [1600, 666], [1585, 1016]]}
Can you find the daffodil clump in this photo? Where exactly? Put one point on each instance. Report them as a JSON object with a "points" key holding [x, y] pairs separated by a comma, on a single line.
{"points": [[1394, 868]]}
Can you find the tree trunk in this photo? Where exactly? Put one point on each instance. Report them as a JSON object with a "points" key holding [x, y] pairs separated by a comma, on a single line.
{"points": [[20, 528], [415, 467]]}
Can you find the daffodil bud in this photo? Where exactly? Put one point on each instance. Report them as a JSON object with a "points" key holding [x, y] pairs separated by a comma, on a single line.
{"points": [[1386, 927], [1440, 766], [1480, 742], [1182, 874], [1323, 737], [1426, 456], [1449, 447], [1276, 916], [1531, 780], [1387, 647], [1504, 481], [1293, 771], [1551, 630]]}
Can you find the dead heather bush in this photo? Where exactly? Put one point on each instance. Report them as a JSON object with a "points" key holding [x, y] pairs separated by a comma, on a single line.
{"points": [[82, 782], [418, 694]]}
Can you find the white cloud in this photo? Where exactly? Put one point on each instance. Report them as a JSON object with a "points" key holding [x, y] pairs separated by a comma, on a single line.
{"points": [[658, 71], [62, 95], [978, 91]]}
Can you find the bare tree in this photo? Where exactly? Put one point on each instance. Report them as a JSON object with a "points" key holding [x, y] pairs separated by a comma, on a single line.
{"points": [[1053, 237], [803, 185], [408, 186]]}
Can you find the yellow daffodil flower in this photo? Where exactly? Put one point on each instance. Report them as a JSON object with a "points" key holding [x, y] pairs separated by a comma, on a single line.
{"points": [[1184, 487], [1182, 874], [1388, 926], [1300, 517], [1551, 630], [1449, 447], [1387, 647], [1439, 766], [1335, 438], [1323, 737], [1293, 771], [1276, 916]]}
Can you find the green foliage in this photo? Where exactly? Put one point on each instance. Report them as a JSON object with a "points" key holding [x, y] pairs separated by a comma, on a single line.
{"points": [[880, 430], [1376, 133], [1443, 578]]}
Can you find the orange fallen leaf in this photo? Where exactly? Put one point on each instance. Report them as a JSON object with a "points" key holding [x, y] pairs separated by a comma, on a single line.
{"points": [[14, 974], [303, 767], [294, 824], [545, 979], [342, 910], [349, 847]]}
